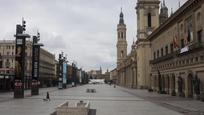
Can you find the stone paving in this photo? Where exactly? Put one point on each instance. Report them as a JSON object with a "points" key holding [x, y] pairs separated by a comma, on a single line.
{"points": [[106, 101], [187, 106]]}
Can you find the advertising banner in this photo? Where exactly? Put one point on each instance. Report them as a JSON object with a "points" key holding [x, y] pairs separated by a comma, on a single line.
{"points": [[64, 73], [35, 67]]}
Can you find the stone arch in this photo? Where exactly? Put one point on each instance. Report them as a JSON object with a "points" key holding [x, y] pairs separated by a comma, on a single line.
{"points": [[181, 85], [173, 85], [163, 84], [190, 85], [155, 82], [168, 84]]}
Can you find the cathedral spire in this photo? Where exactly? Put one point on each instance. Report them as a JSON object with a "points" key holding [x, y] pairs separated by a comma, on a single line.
{"points": [[164, 4], [121, 21], [163, 16]]}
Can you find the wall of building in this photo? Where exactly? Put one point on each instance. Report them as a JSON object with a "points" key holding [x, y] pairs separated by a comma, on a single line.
{"points": [[47, 68], [175, 71]]}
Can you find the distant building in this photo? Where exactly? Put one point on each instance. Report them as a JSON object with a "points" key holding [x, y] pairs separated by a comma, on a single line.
{"points": [[106, 75], [113, 75], [7, 65], [47, 68], [95, 74]]}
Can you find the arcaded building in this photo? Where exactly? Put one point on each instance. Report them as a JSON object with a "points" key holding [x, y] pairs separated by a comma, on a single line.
{"points": [[168, 55], [177, 52]]}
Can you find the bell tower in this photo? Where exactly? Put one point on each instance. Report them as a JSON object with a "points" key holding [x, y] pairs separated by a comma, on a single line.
{"points": [[121, 40], [147, 21], [147, 17]]}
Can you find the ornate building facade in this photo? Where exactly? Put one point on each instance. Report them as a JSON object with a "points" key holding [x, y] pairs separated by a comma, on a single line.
{"points": [[126, 64], [168, 55], [7, 65], [177, 52]]}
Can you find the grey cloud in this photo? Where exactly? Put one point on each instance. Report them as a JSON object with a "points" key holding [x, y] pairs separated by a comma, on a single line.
{"points": [[84, 29]]}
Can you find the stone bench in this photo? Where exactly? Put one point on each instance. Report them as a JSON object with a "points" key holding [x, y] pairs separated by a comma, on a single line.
{"points": [[80, 108], [91, 90]]}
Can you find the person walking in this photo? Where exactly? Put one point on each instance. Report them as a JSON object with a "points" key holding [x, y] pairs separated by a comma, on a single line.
{"points": [[48, 96]]}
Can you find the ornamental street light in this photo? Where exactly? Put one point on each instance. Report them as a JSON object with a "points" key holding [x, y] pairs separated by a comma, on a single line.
{"points": [[35, 65], [20, 60]]}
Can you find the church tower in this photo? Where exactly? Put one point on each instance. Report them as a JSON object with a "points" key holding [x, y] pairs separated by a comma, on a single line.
{"points": [[147, 21], [163, 13], [121, 40]]}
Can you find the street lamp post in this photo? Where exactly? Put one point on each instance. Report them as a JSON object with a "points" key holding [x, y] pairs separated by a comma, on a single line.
{"points": [[20, 60], [35, 65], [60, 69]]}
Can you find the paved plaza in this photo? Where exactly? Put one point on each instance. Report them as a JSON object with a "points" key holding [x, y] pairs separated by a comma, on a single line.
{"points": [[106, 101]]}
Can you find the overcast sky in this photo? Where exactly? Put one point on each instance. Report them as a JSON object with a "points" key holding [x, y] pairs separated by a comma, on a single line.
{"points": [[84, 29]]}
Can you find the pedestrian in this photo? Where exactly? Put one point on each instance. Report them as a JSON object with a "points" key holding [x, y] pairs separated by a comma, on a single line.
{"points": [[48, 96]]}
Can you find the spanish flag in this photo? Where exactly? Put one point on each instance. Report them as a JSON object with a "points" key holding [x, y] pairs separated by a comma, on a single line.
{"points": [[175, 42]]}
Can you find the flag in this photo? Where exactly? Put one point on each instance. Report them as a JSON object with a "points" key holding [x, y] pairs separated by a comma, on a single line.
{"points": [[186, 38], [189, 35], [175, 42]]}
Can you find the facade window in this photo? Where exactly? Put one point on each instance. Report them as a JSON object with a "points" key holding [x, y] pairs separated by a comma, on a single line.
{"points": [[7, 53], [199, 35], [189, 29], [118, 35], [182, 43], [187, 61], [196, 59], [166, 49], [1, 64], [172, 47], [149, 18], [183, 61], [162, 52], [154, 55], [122, 35], [191, 60], [201, 57], [157, 53], [121, 54]]}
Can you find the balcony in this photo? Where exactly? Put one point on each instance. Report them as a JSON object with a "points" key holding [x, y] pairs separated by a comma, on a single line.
{"points": [[191, 48], [164, 58]]}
